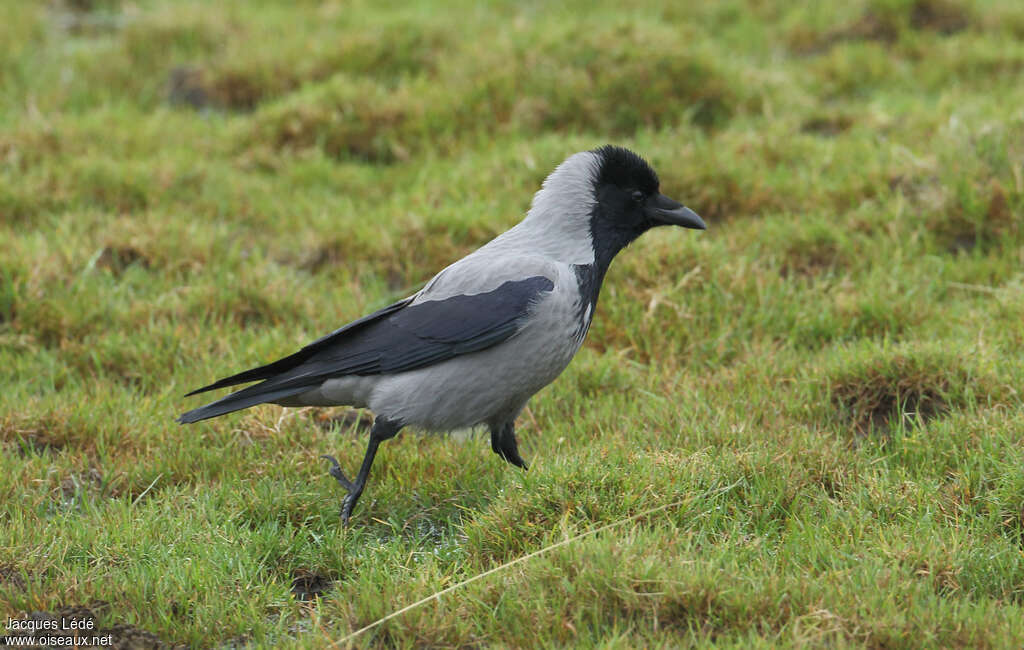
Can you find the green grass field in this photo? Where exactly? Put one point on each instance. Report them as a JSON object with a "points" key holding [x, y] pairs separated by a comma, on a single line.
{"points": [[825, 386]]}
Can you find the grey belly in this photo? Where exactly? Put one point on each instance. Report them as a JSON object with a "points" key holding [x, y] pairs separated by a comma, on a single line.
{"points": [[462, 392], [487, 386], [493, 384]]}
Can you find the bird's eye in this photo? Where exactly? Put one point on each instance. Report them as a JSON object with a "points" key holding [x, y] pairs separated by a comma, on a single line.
{"points": [[638, 196]]}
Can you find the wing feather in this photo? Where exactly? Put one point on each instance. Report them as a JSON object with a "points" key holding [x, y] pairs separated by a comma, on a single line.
{"points": [[398, 338]]}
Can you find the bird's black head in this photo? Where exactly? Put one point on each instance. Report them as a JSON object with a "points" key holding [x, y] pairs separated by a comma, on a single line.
{"points": [[629, 203]]}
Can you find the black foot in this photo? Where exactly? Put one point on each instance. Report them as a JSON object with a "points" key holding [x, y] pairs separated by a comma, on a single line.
{"points": [[503, 443], [512, 456], [347, 504], [354, 491], [383, 429], [336, 472]]}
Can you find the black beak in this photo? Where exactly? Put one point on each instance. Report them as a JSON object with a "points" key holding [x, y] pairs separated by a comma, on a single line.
{"points": [[664, 211]]}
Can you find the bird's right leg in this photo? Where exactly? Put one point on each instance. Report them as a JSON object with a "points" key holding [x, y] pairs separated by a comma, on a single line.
{"points": [[503, 443], [382, 430]]}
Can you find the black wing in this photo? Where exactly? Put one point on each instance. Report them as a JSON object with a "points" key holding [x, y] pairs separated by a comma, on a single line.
{"points": [[293, 360], [398, 338]]}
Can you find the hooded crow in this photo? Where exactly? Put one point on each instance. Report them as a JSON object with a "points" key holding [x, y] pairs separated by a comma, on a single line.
{"points": [[486, 333]]}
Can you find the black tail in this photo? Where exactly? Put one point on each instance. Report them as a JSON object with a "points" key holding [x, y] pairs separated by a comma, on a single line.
{"points": [[259, 394], [294, 360], [255, 374]]}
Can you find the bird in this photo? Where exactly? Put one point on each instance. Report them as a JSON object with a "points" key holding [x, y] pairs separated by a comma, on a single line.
{"points": [[486, 333]]}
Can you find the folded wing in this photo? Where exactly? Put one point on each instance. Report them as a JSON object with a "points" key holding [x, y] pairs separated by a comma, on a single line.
{"points": [[398, 338]]}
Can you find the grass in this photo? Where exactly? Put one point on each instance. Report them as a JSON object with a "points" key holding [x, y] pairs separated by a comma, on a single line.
{"points": [[828, 380]]}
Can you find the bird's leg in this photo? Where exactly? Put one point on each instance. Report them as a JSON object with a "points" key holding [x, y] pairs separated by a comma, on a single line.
{"points": [[382, 430], [503, 442]]}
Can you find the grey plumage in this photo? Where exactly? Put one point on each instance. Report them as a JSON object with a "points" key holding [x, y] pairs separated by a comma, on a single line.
{"points": [[396, 339], [486, 333]]}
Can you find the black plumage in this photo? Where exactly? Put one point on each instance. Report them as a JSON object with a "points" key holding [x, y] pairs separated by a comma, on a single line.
{"points": [[398, 338]]}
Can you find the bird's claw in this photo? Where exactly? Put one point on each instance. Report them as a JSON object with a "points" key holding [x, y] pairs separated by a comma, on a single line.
{"points": [[338, 475], [346, 507], [349, 502]]}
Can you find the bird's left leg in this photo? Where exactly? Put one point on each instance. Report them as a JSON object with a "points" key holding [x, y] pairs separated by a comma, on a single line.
{"points": [[382, 430], [503, 442]]}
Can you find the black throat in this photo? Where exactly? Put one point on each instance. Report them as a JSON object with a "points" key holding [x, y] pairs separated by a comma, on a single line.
{"points": [[608, 236]]}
